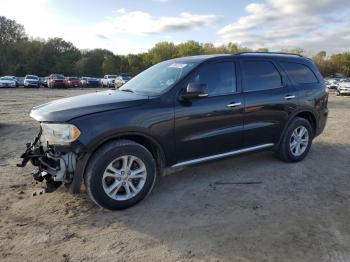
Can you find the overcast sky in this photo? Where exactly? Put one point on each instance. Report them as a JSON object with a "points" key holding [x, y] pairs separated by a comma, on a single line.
{"points": [[134, 26]]}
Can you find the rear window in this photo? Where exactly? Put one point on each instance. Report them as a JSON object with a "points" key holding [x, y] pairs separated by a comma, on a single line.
{"points": [[300, 74], [260, 75]]}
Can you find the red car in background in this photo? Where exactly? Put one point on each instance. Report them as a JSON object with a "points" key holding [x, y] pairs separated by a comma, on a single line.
{"points": [[72, 81], [55, 80]]}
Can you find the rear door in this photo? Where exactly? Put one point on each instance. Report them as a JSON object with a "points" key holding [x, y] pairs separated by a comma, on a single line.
{"points": [[268, 101], [214, 124]]}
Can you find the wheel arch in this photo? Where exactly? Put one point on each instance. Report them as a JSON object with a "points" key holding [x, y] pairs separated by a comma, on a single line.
{"points": [[309, 115], [147, 141]]}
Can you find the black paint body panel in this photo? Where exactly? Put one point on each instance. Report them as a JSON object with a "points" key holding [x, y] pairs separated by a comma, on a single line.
{"points": [[186, 130]]}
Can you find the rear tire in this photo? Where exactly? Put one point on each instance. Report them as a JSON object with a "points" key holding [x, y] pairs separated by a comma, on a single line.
{"points": [[120, 174], [296, 141]]}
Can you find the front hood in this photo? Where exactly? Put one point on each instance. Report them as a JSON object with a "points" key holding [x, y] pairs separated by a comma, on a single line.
{"points": [[63, 110]]}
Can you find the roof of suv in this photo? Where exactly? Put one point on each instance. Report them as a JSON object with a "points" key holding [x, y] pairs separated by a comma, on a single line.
{"points": [[202, 58]]}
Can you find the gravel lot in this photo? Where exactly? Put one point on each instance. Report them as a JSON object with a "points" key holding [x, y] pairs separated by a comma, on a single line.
{"points": [[296, 212]]}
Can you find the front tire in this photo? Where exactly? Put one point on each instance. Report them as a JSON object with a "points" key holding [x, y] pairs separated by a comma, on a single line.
{"points": [[296, 141], [120, 174]]}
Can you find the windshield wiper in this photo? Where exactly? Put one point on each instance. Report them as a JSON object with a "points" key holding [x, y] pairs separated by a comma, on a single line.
{"points": [[127, 90]]}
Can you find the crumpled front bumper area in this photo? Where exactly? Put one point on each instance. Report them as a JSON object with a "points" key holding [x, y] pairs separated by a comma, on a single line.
{"points": [[54, 167]]}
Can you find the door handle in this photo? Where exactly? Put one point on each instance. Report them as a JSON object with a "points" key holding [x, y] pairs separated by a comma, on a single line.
{"points": [[234, 104], [287, 97]]}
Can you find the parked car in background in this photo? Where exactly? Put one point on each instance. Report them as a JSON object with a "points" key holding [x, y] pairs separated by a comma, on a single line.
{"points": [[14, 78], [83, 80], [331, 83], [93, 82], [344, 87], [121, 80], [43, 81], [7, 81], [108, 80], [72, 81], [56, 80], [90, 82], [31, 81], [177, 113]]}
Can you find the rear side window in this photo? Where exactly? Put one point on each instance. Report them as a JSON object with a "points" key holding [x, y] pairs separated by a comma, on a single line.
{"points": [[260, 75], [219, 77], [299, 73]]}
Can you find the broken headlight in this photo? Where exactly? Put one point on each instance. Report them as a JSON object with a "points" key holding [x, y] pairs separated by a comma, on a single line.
{"points": [[59, 134]]}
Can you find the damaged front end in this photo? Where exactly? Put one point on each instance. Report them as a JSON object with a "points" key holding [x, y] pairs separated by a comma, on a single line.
{"points": [[55, 166]]}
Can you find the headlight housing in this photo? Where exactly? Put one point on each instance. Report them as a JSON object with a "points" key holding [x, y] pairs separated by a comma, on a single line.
{"points": [[59, 134]]}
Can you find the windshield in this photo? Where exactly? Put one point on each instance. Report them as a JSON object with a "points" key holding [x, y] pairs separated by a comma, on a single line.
{"points": [[126, 77], [158, 78], [32, 77], [112, 76], [7, 78], [57, 77]]}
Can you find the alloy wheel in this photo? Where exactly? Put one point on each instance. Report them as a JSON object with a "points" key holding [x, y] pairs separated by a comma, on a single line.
{"points": [[124, 177], [299, 141]]}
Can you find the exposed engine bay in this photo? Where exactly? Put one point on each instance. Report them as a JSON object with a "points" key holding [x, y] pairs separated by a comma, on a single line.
{"points": [[53, 166]]}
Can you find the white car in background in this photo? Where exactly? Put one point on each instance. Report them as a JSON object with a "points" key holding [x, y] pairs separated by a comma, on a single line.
{"points": [[108, 80], [332, 83], [7, 81], [121, 80], [31, 81], [15, 79], [344, 87]]}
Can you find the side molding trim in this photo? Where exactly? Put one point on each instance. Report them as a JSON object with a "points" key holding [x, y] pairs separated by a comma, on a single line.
{"points": [[231, 153]]}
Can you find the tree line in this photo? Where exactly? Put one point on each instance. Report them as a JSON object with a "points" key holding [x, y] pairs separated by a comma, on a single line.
{"points": [[21, 55]]}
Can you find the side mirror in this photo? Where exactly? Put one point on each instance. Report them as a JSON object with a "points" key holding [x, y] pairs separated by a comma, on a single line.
{"points": [[195, 90]]}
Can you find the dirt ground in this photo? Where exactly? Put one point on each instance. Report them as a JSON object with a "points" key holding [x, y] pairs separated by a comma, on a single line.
{"points": [[295, 212]]}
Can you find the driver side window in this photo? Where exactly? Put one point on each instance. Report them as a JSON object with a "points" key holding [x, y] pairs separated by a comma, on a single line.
{"points": [[219, 77]]}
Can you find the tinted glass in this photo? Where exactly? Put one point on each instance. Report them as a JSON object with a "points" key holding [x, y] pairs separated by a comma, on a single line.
{"points": [[6, 78], [300, 73], [219, 77], [260, 75], [57, 77], [32, 77]]}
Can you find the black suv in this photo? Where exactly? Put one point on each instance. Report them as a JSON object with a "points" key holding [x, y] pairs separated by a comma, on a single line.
{"points": [[177, 113]]}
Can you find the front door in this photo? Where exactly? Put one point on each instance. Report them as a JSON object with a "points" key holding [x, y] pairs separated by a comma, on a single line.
{"points": [[210, 125]]}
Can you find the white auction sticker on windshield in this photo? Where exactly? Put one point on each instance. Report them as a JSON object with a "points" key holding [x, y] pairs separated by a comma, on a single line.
{"points": [[177, 65]]}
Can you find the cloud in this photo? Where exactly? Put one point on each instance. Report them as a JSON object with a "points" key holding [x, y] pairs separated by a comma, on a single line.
{"points": [[278, 24], [143, 23], [101, 36], [41, 19], [120, 11]]}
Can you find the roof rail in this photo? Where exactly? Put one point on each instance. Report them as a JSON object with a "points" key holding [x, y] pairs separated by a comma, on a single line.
{"points": [[273, 53]]}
